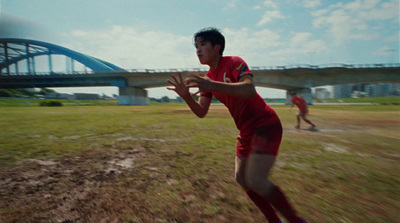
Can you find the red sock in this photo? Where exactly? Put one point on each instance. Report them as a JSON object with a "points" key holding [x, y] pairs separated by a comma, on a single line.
{"points": [[281, 203], [264, 206]]}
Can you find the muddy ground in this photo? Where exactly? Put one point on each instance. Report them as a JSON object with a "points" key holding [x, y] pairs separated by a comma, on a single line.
{"points": [[72, 189]]}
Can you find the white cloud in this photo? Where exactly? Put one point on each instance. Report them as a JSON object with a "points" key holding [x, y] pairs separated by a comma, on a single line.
{"points": [[387, 11], [300, 38], [311, 3], [230, 5], [265, 47], [269, 16], [253, 46], [12, 26], [351, 21], [272, 12], [79, 33], [304, 42], [271, 4], [131, 49]]}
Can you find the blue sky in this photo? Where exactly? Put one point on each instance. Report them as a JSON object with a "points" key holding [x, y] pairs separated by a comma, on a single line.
{"points": [[157, 34]]}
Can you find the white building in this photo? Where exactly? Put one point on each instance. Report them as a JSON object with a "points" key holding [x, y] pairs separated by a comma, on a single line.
{"points": [[321, 93]]}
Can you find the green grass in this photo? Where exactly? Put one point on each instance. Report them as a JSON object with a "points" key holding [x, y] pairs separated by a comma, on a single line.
{"points": [[183, 166], [395, 100], [12, 102], [28, 102]]}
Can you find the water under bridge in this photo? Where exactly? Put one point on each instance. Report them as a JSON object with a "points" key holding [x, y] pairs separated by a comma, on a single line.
{"points": [[20, 59]]}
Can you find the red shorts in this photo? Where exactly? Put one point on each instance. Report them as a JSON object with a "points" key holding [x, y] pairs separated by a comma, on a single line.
{"points": [[264, 140]]}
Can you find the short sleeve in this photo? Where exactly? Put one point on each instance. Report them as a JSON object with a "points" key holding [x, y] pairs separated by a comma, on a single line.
{"points": [[240, 68], [206, 94]]}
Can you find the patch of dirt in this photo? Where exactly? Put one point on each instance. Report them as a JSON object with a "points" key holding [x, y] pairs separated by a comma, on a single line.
{"points": [[65, 190]]}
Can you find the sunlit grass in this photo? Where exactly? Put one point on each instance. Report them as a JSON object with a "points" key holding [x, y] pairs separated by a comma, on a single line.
{"points": [[348, 173]]}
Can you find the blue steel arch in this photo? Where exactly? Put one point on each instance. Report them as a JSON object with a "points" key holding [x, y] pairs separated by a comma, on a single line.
{"points": [[15, 50]]}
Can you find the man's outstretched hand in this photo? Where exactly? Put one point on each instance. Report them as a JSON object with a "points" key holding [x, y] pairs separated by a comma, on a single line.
{"points": [[179, 86]]}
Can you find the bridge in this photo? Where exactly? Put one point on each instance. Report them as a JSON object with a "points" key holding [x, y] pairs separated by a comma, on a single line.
{"points": [[132, 84]]}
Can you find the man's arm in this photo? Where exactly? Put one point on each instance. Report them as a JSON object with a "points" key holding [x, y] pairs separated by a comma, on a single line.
{"points": [[244, 88], [200, 107]]}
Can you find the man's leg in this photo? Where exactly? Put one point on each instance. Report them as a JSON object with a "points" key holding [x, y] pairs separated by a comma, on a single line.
{"points": [[298, 121], [257, 170], [264, 206], [304, 117]]}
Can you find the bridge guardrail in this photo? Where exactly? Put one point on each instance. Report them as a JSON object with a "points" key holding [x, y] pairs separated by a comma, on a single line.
{"points": [[155, 71]]}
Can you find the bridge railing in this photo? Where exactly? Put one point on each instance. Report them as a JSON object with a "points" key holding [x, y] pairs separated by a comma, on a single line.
{"points": [[323, 66], [155, 71]]}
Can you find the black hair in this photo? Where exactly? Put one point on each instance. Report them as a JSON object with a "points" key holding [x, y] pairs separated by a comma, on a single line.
{"points": [[213, 35]]}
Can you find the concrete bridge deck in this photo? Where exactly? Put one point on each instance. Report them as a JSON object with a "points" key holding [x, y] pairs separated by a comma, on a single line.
{"points": [[132, 83]]}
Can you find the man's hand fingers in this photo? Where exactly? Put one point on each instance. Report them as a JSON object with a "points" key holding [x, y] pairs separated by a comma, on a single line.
{"points": [[170, 88], [172, 83], [176, 80], [193, 80], [180, 77]]}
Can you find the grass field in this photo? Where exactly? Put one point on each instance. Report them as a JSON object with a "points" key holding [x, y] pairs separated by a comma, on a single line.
{"points": [[159, 163]]}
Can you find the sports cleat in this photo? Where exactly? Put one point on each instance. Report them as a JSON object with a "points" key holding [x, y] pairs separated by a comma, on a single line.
{"points": [[297, 126]]}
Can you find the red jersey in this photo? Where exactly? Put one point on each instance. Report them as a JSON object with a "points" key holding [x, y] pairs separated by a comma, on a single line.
{"points": [[301, 104], [248, 113]]}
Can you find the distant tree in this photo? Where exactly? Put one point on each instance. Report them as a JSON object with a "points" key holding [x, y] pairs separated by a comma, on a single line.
{"points": [[155, 99], [26, 92], [44, 91], [6, 93], [165, 99], [19, 92]]}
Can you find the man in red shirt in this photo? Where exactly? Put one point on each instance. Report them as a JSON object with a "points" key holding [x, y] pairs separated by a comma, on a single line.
{"points": [[231, 82], [303, 110]]}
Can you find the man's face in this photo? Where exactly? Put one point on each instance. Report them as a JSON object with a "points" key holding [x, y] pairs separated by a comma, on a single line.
{"points": [[206, 52]]}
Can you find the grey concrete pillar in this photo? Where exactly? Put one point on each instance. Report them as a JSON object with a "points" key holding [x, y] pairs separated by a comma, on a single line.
{"points": [[132, 96], [302, 92]]}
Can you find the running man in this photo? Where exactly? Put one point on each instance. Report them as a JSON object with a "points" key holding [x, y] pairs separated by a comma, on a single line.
{"points": [[231, 82], [303, 110]]}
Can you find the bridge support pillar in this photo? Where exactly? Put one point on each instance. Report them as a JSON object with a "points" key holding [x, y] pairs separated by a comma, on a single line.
{"points": [[302, 92], [132, 96]]}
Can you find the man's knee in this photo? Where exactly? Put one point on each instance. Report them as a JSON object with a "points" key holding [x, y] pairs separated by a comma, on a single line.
{"points": [[260, 185]]}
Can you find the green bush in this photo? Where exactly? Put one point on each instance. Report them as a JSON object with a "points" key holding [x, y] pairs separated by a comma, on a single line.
{"points": [[51, 103]]}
